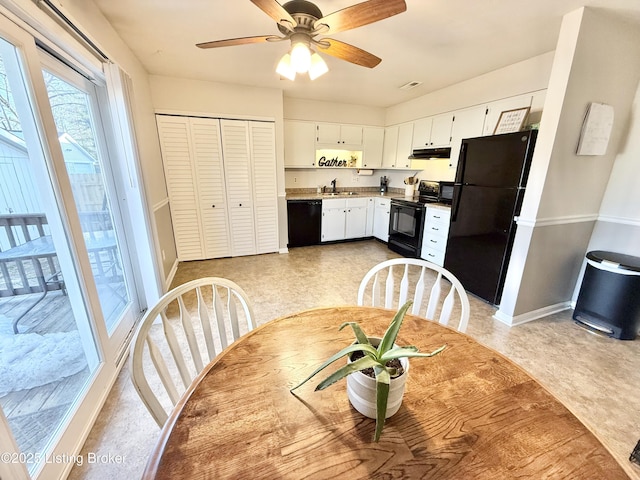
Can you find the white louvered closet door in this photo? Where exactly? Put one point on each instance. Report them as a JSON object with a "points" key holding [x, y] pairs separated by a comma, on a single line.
{"points": [[207, 156], [238, 178], [265, 191], [180, 174]]}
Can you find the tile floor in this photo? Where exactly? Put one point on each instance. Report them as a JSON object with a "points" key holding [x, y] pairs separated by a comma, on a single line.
{"points": [[597, 378]]}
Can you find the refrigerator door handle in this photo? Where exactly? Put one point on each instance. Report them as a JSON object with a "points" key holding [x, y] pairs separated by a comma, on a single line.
{"points": [[462, 161], [455, 203]]}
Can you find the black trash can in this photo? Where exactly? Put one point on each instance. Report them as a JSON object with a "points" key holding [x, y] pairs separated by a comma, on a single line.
{"points": [[609, 298]]}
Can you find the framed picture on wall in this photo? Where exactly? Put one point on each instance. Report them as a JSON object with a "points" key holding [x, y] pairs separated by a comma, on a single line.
{"points": [[511, 120]]}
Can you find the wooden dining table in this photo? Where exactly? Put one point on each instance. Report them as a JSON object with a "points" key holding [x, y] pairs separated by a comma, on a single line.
{"points": [[467, 413]]}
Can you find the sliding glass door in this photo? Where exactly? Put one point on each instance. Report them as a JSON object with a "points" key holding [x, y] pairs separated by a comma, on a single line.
{"points": [[76, 108], [67, 291]]}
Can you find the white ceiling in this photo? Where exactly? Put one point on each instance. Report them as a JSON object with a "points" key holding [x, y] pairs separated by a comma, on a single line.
{"points": [[436, 42]]}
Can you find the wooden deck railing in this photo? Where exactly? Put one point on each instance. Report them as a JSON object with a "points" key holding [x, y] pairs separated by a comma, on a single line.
{"points": [[19, 228], [41, 271]]}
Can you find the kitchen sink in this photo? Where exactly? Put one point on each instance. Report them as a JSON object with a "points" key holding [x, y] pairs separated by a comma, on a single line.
{"points": [[339, 194]]}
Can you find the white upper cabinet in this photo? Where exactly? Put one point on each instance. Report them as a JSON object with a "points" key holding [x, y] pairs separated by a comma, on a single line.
{"points": [[398, 145], [422, 132], [433, 132], [338, 135], [467, 123], [372, 147], [494, 109], [390, 147], [441, 130], [405, 145], [299, 144]]}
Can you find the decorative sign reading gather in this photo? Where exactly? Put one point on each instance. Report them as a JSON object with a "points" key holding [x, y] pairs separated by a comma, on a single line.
{"points": [[338, 158]]}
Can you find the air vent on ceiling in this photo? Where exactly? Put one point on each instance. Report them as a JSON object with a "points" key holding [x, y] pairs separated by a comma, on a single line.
{"points": [[410, 85]]}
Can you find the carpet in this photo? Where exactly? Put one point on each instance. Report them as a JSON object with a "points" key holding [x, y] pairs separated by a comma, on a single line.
{"points": [[29, 360]]}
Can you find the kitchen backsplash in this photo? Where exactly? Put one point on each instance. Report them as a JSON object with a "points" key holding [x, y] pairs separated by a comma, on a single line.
{"points": [[349, 179]]}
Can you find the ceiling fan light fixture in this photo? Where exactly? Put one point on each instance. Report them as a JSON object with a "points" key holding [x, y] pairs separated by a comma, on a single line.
{"points": [[285, 68], [318, 66], [300, 57]]}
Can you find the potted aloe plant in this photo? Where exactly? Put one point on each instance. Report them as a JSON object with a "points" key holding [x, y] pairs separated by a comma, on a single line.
{"points": [[388, 362]]}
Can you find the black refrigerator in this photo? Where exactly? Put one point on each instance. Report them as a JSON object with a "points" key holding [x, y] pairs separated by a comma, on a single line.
{"points": [[488, 192]]}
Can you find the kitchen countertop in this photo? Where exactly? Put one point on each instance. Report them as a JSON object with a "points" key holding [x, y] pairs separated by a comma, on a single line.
{"points": [[358, 194], [312, 195]]}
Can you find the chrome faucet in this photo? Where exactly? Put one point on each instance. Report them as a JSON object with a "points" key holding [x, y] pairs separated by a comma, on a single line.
{"points": [[333, 185]]}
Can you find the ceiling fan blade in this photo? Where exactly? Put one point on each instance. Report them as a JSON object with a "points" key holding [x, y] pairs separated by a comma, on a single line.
{"points": [[347, 52], [275, 11], [361, 14], [236, 41]]}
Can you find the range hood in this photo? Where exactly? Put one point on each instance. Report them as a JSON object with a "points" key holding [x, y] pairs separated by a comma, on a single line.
{"points": [[429, 153]]}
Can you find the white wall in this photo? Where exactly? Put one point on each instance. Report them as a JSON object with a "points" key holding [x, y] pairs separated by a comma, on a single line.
{"points": [[622, 198], [91, 20], [597, 60], [330, 112], [618, 226], [523, 77]]}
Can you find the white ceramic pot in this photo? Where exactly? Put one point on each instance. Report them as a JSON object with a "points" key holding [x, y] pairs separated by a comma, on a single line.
{"points": [[361, 390], [409, 190]]}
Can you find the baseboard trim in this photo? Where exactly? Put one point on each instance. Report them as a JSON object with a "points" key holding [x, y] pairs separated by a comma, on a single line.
{"points": [[513, 321], [283, 250], [172, 273]]}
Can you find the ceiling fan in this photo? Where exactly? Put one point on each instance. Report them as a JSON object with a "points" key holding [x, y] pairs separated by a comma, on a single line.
{"points": [[301, 21]]}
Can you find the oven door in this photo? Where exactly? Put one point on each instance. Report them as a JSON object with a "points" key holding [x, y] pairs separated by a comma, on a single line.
{"points": [[405, 228]]}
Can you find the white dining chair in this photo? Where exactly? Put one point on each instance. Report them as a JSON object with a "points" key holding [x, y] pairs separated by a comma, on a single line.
{"points": [[410, 279], [184, 331]]}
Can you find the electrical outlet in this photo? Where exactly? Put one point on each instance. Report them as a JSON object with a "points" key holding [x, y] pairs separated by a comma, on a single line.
{"points": [[295, 179]]}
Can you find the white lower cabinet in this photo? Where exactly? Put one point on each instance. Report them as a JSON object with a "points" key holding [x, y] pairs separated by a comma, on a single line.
{"points": [[344, 219], [370, 212], [356, 221], [222, 204], [334, 215], [381, 214], [436, 229]]}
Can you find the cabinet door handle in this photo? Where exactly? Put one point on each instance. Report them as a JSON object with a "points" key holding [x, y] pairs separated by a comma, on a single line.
{"points": [[240, 205], [213, 206]]}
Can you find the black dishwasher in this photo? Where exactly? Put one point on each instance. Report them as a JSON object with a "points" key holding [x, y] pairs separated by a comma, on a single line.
{"points": [[305, 220]]}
